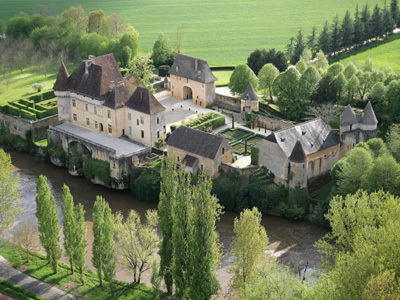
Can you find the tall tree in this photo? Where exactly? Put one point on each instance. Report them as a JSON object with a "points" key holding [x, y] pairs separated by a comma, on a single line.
{"points": [[335, 35], [257, 59], [108, 248], [69, 226], [162, 52], [358, 36], [240, 79], [347, 31], [168, 189], [96, 22], [388, 22], [25, 235], [394, 9], [312, 41], [132, 41], [203, 242], [137, 242], [366, 20], [298, 48], [290, 48], [324, 39], [142, 67], [49, 229], [117, 26], [266, 78], [377, 23], [80, 241], [309, 82], [248, 242], [10, 206]]}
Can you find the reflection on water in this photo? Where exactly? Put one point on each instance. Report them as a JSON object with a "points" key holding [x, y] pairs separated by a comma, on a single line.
{"points": [[290, 240]]}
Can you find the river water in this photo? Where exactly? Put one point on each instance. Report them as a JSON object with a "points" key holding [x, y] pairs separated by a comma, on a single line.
{"points": [[290, 241]]}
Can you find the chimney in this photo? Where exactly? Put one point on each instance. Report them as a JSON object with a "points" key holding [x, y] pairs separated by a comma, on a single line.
{"points": [[92, 57], [112, 85], [88, 63], [196, 62]]}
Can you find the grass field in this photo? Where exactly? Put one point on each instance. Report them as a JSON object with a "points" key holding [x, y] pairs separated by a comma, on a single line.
{"points": [[224, 32], [20, 84], [384, 55], [223, 77]]}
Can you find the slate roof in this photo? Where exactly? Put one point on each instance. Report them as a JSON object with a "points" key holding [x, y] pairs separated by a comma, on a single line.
{"points": [[189, 67], [195, 141], [348, 117], [96, 82], [250, 93], [298, 155], [314, 136], [117, 97], [61, 83], [369, 117], [190, 161], [144, 101]]}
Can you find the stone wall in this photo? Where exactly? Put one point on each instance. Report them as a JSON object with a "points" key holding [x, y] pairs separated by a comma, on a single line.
{"points": [[19, 126], [246, 172], [226, 102], [271, 124]]}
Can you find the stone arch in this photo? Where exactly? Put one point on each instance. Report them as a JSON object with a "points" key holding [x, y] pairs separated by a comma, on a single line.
{"points": [[187, 92], [75, 147]]}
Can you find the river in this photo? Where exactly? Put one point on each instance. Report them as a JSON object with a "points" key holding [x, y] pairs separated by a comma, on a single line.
{"points": [[290, 241]]}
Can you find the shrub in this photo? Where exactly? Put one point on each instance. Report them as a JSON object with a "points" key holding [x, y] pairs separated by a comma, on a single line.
{"points": [[26, 102], [27, 115], [12, 110], [254, 155], [56, 151], [94, 167], [147, 186], [163, 70], [38, 86]]}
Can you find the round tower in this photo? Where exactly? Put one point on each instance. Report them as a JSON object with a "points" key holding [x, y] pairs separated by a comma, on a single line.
{"points": [[249, 100], [298, 167]]}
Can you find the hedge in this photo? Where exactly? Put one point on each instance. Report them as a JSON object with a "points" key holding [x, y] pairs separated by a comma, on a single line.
{"points": [[157, 151], [27, 115], [19, 105], [17, 292], [12, 110], [94, 167], [254, 155], [214, 123], [163, 70], [4, 109], [42, 96], [26, 102]]}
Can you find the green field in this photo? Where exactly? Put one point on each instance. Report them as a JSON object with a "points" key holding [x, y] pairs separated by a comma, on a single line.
{"points": [[223, 32], [385, 55], [223, 77]]}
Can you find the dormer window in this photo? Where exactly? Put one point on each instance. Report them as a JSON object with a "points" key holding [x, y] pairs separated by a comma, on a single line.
{"points": [[303, 133], [247, 97], [177, 68], [282, 139]]}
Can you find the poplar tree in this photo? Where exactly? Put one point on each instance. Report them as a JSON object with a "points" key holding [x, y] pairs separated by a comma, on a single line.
{"points": [[168, 188], [69, 226], [80, 241], [104, 258], [203, 246], [49, 229]]}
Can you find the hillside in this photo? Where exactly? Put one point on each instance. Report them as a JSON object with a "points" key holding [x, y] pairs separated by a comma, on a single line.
{"points": [[224, 32]]}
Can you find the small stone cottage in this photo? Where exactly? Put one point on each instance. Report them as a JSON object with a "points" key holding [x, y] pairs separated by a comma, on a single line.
{"points": [[249, 100], [199, 151]]}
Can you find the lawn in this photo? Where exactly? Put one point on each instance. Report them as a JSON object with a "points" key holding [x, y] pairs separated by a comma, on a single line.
{"points": [[223, 32], [384, 55], [20, 84], [223, 77]]}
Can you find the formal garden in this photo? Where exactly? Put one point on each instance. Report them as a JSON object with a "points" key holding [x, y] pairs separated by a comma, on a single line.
{"points": [[241, 140]]}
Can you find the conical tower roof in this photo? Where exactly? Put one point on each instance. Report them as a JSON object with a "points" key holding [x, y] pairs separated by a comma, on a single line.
{"points": [[348, 117], [250, 93], [369, 117], [61, 83], [298, 155]]}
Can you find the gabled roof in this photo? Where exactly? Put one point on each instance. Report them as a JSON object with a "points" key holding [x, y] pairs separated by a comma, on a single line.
{"points": [[348, 117], [117, 97], [369, 117], [192, 68], [61, 83], [298, 155], [144, 101], [314, 136], [195, 141], [250, 93], [93, 76]]}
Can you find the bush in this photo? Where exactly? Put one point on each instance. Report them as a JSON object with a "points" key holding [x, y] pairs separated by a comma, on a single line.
{"points": [[145, 185], [94, 167], [27, 115], [254, 155], [56, 151], [163, 70]]}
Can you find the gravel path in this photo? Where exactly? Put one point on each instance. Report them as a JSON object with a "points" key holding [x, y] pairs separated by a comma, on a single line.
{"points": [[47, 291]]}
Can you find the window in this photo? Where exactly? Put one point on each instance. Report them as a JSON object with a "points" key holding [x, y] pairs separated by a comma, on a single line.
{"points": [[142, 132], [172, 86], [114, 164], [158, 134], [74, 103], [201, 168], [87, 121], [158, 120], [172, 94], [130, 130], [177, 68], [223, 150], [95, 110], [177, 158], [137, 123], [96, 125], [187, 80], [109, 129], [75, 118], [109, 114], [141, 120], [129, 116], [86, 107], [199, 74]]}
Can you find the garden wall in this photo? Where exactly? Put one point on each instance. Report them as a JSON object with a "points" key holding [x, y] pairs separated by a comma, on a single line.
{"points": [[226, 102], [19, 126], [271, 124], [247, 171]]}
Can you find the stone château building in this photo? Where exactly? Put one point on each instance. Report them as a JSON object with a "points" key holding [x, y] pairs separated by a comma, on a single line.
{"points": [[192, 78]]}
